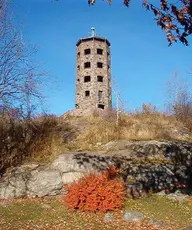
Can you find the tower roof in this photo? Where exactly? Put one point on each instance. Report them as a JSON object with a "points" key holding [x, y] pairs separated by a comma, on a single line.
{"points": [[92, 38]]}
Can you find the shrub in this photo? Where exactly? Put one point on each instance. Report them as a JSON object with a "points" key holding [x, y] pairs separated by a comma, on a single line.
{"points": [[96, 192], [37, 139]]}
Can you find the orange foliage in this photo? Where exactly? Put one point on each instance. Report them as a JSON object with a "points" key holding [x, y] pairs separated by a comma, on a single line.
{"points": [[96, 192]]}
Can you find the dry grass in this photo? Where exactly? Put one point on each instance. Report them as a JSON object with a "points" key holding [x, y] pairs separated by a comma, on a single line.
{"points": [[30, 214], [144, 125], [39, 139], [45, 137], [45, 150], [47, 147]]}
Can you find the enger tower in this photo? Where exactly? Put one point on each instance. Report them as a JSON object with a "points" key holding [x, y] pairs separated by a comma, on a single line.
{"points": [[93, 73]]}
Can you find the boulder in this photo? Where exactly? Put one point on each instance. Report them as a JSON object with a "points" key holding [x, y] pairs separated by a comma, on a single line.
{"points": [[117, 145], [133, 216], [44, 183], [80, 162], [13, 187], [144, 166], [6, 191], [157, 223], [177, 197], [26, 167], [68, 178], [161, 193], [67, 162], [109, 217]]}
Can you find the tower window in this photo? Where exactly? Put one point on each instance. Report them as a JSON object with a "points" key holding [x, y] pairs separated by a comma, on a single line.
{"points": [[100, 94], [100, 51], [100, 78], [87, 93], [78, 67], [87, 65], [87, 78], [78, 79], [87, 51], [99, 64], [78, 54], [100, 106]]}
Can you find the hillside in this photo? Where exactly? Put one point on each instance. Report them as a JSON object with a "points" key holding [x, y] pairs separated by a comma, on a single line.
{"points": [[152, 151], [45, 137]]}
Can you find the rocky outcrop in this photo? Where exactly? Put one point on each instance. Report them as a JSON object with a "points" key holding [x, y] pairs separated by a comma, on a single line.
{"points": [[155, 164], [143, 165], [12, 187], [44, 183]]}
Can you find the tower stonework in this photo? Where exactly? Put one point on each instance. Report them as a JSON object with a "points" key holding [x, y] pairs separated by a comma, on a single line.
{"points": [[93, 73]]}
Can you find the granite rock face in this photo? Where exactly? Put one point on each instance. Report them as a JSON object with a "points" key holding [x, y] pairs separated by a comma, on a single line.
{"points": [[11, 187], [144, 166], [70, 177], [44, 183]]}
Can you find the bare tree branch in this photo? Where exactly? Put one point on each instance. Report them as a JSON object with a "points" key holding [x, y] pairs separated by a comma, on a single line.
{"points": [[19, 76]]}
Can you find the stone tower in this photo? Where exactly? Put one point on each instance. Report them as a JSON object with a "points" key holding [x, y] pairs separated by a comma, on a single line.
{"points": [[93, 73]]}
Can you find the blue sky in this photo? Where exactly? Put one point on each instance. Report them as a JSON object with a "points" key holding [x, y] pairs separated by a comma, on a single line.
{"points": [[141, 60]]}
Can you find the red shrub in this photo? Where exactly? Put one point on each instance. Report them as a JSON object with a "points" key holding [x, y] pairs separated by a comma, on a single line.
{"points": [[96, 192]]}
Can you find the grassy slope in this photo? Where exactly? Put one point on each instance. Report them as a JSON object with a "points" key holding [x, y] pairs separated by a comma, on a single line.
{"points": [[29, 214], [96, 130], [46, 137]]}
